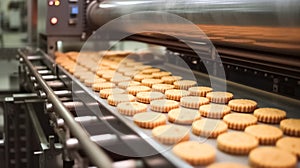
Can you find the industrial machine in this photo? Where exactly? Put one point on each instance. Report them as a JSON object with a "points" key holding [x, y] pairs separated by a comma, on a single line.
{"points": [[250, 48]]}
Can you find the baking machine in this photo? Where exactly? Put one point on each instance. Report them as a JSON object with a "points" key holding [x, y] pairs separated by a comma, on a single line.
{"points": [[250, 48]]}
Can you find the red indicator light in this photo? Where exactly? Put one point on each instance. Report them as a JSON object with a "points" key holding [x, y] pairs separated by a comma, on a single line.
{"points": [[51, 3], [53, 20]]}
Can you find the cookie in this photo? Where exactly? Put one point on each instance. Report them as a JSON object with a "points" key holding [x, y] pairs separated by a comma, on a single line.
{"points": [[150, 82], [147, 97], [89, 82], [227, 165], [119, 79], [159, 75], [175, 94], [140, 77], [210, 128], [105, 85], [131, 108], [269, 115], [237, 143], [115, 99], [291, 144], [183, 116], [290, 126], [109, 76], [163, 105], [242, 105], [149, 120], [184, 84], [136, 89], [101, 72], [170, 79], [104, 93], [271, 157], [125, 85], [267, 135], [171, 134], [219, 97], [141, 67], [131, 73], [200, 90], [162, 87], [239, 121], [193, 101], [195, 153], [150, 71], [214, 110]]}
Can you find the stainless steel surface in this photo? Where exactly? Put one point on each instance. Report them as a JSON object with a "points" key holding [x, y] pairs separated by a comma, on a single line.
{"points": [[268, 25], [91, 149]]}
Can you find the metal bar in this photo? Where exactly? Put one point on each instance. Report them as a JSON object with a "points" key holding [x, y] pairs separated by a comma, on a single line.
{"points": [[97, 155]]}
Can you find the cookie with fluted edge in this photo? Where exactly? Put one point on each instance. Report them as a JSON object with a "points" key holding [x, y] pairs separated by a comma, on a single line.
{"points": [[195, 153], [140, 77], [239, 121], [193, 101], [147, 97], [242, 105], [149, 120], [104, 85], [119, 79], [272, 157], [162, 87], [200, 90], [163, 105], [131, 108], [136, 89], [171, 134], [170, 79], [238, 143], [219, 97], [184, 84], [291, 144], [159, 75], [290, 126], [104, 93], [214, 110], [266, 134], [176, 94], [227, 165], [89, 82], [183, 116], [125, 85], [150, 82], [269, 115], [150, 71], [115, 99], [210, 128]]}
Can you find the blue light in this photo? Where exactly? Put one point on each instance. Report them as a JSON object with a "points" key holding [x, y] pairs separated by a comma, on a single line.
{"points": [[74, 10]]}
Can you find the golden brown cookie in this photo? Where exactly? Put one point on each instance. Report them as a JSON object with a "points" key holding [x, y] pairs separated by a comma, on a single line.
{"points": [[170, 79], [150, 71], [184, 84], [119, 79], [214, 110], [200, 90], [105, 85], [171, 134], [290, 126], [159, 75], [136, 89], [162, 87], [109, 76], [131, 74], [104, 93], [242, 105], [150, 82], [141, 67], [291, 144], [90, 81], [195, 153], [131, 108], [227, 165], [183, 116], [163, 105], [238, 143], [115, 99], [239, 121], [175, 94], [125, 85], [210, 128], [266, 134], [193, 101], [147, 97], [271, 157], [149, 119], [269, 115], [140, 77], [219, 97]]}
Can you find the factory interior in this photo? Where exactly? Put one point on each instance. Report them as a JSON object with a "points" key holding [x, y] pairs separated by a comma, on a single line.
{"points": [[149, 83]]}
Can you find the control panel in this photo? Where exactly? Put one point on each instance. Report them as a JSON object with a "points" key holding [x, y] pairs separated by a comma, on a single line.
{"points": [[65, 17]]}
